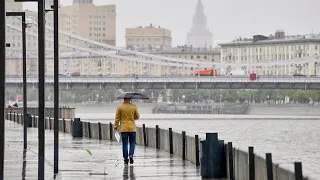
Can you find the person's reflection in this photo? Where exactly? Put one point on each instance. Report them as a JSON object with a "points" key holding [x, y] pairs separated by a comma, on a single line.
{"points": [[127, 175], [125, 172], [132, 175]]}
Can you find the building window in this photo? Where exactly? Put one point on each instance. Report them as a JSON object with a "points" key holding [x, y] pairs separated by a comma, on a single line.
{"points": [[316, 47]]}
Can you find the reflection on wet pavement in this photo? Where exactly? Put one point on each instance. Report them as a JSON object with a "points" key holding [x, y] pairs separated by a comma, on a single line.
{"points": [[76, 163]]}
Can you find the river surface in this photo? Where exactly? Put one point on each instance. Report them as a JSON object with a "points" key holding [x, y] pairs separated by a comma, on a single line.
{"points": [[288, 138]]}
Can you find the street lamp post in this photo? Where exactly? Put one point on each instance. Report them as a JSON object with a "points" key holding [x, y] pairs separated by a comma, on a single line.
{"points": [[41, 70], [55, 8], [2, 83], [24, 64]]}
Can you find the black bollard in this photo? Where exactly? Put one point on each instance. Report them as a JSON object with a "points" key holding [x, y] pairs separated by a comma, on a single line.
{"points": [[64, 125], [197, 150], [50, 124], [230, 155], [251, 164], [99, 131], [77, 128], [29, 120], [183, 145], [110, 131], [269, 166], [89, 130], [298, 171], [144, 135], [157, 137], [170, 141]]}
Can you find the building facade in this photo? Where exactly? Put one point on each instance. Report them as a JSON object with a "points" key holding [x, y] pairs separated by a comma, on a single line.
{"points": [[191, 53], [148, 37], [199, 35], [84, 19], [13, 37], [97, 23], [88, 65], [262, 49]]}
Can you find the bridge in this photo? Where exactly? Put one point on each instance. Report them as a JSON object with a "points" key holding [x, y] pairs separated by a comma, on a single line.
{"points": [[149, 61], [170, 82]]}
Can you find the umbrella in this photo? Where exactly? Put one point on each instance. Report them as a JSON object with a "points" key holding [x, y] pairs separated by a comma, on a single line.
{"points": [[133, 95]]}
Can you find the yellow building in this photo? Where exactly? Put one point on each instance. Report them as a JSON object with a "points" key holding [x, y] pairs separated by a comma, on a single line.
{"points": [[148, 37], [83, 18], [262, 49]]}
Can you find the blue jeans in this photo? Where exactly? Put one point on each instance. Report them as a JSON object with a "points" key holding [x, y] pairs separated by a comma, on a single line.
{"points": [[125, 136]]}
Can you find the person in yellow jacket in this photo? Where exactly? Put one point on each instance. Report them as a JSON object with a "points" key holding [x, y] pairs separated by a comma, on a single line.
{"points": [[126, 115]]}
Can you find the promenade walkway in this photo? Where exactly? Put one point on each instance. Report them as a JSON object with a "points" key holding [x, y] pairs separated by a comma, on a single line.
{"points": [[77, 164]]}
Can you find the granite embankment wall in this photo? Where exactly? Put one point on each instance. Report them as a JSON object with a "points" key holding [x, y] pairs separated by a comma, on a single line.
{"points": [[284, 109], [239, 164]]}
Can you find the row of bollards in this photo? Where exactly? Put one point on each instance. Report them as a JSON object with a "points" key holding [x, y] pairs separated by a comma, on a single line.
{"points": [[216, 159], [213, 160]]}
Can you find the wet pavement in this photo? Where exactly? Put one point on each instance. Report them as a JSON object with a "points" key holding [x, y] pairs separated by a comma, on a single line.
{"points": [[76, 163]]}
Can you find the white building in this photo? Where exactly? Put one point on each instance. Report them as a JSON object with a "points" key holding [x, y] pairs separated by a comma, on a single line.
{"points": [[199, 35], [278, 47]]}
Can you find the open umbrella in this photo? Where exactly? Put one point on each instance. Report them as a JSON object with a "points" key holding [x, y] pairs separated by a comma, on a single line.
{"points": [[133, 95]]}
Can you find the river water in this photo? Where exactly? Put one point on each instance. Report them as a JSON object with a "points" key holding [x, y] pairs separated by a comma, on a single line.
{"points": [[288, 138]]}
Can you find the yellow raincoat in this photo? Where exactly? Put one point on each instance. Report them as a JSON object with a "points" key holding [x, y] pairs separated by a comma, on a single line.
{"points": [[126, 115]]}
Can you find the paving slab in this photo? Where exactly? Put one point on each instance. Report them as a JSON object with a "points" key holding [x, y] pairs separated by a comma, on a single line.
{"points": [[105, 161]]}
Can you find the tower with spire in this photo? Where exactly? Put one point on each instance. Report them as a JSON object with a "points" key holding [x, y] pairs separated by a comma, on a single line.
{"points": [[199, 35]]}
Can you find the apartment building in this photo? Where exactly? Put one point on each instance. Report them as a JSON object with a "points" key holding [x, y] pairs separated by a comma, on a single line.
{"points": [[273, 48], [84, 19], [148, 37], [188, 52]]}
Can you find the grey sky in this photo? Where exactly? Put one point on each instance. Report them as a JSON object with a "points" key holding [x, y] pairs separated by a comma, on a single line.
{"points": [[227, 19]]}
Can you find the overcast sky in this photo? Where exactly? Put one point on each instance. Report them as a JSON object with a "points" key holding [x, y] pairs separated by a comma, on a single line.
{"points": [[227, 19]]}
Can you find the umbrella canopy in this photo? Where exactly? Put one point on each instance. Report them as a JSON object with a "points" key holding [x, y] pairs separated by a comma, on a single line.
{"points": [[133, 95]]}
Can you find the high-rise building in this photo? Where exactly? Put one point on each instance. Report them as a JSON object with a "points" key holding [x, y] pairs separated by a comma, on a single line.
{"points": [[84, 19], [148, 37], [199, 35]]}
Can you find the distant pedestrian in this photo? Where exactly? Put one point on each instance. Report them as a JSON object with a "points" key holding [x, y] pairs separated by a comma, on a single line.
{"points": [[126, 115]]}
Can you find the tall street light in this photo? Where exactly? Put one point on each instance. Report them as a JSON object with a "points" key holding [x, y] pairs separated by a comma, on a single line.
{"points": [[55, 9], [56, 85], [24, 64], [41, 70], [2, 83]]}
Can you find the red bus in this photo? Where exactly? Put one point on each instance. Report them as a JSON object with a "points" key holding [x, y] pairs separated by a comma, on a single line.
{"points": [[206, 72]]}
